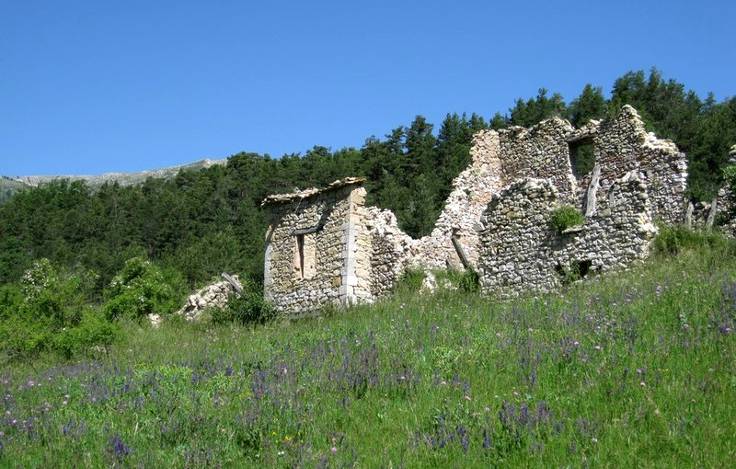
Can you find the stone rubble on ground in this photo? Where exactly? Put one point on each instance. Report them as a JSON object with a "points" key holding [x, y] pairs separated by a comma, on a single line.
{"points": [[215, 295], [429, 283], [155, 320]]}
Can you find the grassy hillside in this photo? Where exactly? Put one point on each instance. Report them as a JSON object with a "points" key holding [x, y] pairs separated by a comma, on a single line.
{"points": [[632, 369]]}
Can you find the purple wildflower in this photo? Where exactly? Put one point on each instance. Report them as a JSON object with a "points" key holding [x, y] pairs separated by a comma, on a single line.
{"points": [[119, 449], [486, 440]]}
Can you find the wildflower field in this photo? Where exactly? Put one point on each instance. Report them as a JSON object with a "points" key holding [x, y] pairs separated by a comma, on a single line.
{"points": [[631, 369]]}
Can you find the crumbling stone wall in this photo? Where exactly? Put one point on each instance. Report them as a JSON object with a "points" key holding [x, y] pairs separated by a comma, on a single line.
{"points": [[316, 245], [544, 151], [471, 192], [622, 145], [214, 295], [391, 250], [725, 197], [325, 247], [540, 151], [359, 252], [520, 251], [498, 158], [725, 203]]}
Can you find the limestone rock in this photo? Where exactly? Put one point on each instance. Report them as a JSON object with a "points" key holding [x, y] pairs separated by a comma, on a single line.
{"points": [[429, 283], [155, 320], [215, 295]]}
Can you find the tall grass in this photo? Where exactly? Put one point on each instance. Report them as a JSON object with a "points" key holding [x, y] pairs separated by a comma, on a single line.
{"points": [[629, 369]]}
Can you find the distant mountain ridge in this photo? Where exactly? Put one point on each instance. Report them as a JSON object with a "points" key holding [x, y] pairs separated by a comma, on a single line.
{"points": [[122, 178], [10, 185]]}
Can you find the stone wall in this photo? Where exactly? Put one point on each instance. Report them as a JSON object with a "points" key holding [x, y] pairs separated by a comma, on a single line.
{"points": [[622, 144], [725, 197], [391, 250], [499, 204], [725, 203], [214, 295], [520, 251], [325, 271], [497, 158], [540, 151], [500, 157], [471, 192]]}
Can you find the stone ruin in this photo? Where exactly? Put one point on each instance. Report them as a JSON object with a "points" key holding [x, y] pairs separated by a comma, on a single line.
{"points": [[326, 247], [214, 295], [521, 252]]}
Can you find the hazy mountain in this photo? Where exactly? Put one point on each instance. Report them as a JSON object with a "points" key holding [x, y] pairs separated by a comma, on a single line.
{"points": [[11, 185]]}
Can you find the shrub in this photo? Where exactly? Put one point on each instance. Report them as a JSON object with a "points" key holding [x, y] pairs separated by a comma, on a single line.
{"points": [[410, 281], [142, 288], [248, 308], [465, 280], [10, 300], [54, 295], [469, 281], [93, 330], [675, 239], [566, 216], [47, 312], [573, 272]]}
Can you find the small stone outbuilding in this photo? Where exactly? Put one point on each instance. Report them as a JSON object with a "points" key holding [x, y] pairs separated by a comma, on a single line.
{"points": [[323, 247], [312, 247]]}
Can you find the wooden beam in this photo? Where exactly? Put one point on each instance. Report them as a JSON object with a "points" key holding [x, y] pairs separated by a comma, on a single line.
{"points": [[236, 285], [711, 214], [461, 252], [590, 198], [304, 231], [689, 215]]}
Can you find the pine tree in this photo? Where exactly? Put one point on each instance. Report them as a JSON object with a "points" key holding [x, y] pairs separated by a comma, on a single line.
{"points": [[591, 104]]}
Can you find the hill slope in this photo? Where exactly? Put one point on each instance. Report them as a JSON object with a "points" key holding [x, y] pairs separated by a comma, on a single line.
{"points": [[10, 185], [124, 179], [636, 368]]}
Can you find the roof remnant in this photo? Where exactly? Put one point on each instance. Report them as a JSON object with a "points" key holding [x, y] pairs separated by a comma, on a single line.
{"points": [[312, 191]]}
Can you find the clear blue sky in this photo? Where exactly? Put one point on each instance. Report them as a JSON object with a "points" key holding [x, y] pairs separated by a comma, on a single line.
{"points": [[94, 86]]}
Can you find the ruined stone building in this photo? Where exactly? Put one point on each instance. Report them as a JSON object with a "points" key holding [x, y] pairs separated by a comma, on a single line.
{"points": [[519, 250], [324, 246]]}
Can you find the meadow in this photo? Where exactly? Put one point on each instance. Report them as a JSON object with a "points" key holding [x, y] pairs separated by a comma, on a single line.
{"points": [[621, 370]]}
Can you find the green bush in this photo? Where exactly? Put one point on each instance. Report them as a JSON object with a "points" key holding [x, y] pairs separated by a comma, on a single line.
{"points": [[92, 331], [469, 281], [142, 288], [54, 295], [10, 300], [248, 308], [410, 281], [675, 239], [47, 311], [465, 280], [566, 216]]}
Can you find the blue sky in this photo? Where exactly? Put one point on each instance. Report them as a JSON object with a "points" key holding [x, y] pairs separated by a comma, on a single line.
{"points": [[94, 86]]}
